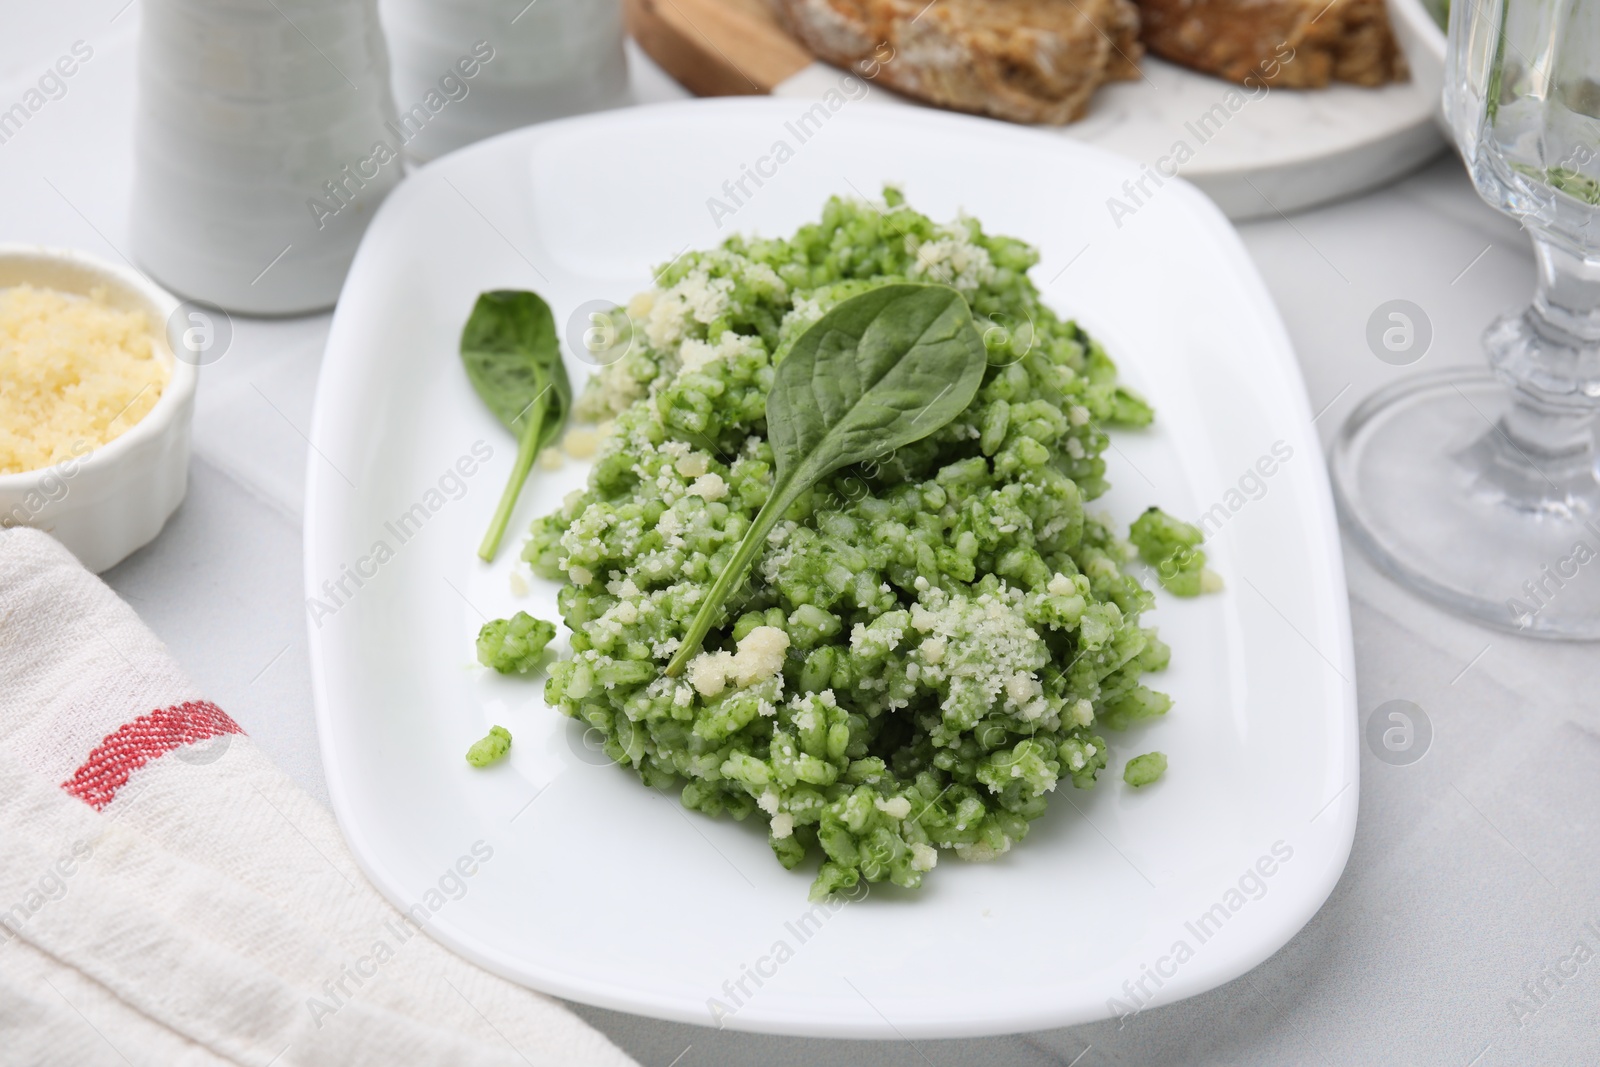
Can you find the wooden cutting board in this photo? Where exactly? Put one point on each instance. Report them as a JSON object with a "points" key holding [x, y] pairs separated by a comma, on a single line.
{"points": [[717, 47]]}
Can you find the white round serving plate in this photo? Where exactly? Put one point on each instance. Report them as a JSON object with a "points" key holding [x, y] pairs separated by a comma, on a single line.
{"points": [[604, 891], [1257, 153], [1423, 41], [114, 499]]}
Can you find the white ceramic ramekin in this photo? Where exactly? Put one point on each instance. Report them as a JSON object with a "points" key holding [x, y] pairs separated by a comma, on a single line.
{"points": [[263, 144], [115, 498]]}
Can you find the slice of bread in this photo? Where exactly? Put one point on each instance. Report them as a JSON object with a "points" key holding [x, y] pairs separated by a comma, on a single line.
{"points": [[1022, 60], [1292, 44]]}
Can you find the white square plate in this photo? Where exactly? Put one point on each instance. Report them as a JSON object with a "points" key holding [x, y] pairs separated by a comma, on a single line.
{"points": [[601, 890]]}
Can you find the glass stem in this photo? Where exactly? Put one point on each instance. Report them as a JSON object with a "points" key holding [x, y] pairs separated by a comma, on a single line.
{"points": [[1567, 301], [1549, 354]]}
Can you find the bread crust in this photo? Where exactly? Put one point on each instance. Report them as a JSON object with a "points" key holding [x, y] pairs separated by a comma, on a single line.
{"points": [[1035, 61], [1293, 44]]}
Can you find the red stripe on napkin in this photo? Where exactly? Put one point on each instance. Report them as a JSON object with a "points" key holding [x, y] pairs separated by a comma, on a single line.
{"points": [[136, 743]]}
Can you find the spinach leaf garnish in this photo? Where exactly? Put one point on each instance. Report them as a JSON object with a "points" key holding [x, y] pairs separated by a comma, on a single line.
{"points": [[877, 372], [513, 360]]}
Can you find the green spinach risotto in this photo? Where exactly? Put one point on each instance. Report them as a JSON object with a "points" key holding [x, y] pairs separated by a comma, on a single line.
{"points": [[927, 642]]}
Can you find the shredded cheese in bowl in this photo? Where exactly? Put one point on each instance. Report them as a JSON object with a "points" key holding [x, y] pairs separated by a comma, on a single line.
{"points": [[75, 373]]}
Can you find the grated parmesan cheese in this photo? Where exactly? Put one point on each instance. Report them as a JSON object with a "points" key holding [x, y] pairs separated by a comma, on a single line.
{"points": [[952, 259], [692, 465], [894, 807], [760, 657], [77, 372], [709, 487], [581, 442]]}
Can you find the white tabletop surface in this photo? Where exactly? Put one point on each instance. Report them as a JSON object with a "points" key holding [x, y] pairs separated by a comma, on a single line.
{"points": [[1458, 933]]}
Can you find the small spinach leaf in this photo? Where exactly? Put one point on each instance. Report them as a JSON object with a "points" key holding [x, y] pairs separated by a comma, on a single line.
{"points": [[877, 372], [513, 359]]}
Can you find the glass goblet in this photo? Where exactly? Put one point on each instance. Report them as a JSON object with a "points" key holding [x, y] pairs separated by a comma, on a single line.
{"points": [[1480, 490]]}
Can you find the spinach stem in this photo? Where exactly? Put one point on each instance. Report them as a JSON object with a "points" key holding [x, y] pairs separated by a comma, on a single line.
{"points": [[782, 496], [527, 452]]}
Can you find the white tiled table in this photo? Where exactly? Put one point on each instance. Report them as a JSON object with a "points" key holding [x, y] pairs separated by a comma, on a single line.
{"points": [[1473, 871]]}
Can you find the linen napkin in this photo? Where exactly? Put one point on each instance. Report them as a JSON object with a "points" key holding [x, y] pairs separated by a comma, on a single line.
{"points": [[167, 896]]}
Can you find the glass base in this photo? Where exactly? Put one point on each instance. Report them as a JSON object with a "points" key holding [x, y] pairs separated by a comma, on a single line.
{"points": [[1428, 482]]}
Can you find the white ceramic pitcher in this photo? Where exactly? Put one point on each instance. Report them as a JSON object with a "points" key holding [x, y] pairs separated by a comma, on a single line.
{"points": [[529, 60], [265, 139]]}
